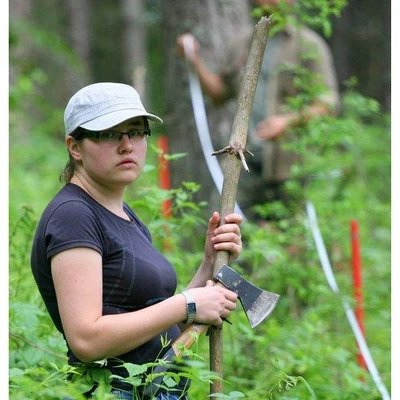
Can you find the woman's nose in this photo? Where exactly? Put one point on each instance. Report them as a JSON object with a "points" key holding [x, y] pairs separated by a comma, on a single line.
{"points": [[125, 143]]}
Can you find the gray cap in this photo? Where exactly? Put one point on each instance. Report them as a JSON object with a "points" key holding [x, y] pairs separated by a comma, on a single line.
{"points": [[103, 105]]}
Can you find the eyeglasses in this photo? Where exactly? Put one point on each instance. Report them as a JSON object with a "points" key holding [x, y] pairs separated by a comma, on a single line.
{"points": [[114, 136]]}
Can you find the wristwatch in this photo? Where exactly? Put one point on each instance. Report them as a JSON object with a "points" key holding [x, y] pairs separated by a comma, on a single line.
{"points": [[190, 307]]}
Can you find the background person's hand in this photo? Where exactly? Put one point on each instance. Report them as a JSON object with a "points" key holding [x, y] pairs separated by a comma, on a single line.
{"points": [[274, 126], [193, 46]]}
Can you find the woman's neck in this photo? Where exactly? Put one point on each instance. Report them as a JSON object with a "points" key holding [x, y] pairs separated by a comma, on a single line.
{"points": [[110, 199]]}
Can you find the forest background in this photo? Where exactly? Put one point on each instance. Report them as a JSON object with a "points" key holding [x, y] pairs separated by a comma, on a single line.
{"points": [[306, 348]]}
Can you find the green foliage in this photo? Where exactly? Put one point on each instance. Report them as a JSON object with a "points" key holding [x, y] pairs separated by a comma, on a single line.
{"points": [[305, 346], [305, 350], [42, 41], [316, 14]]}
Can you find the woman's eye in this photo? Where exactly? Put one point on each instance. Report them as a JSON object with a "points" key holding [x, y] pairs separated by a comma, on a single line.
{"points": [[137, 133], [109, 136]]}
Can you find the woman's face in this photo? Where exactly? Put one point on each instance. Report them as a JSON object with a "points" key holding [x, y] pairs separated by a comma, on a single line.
{"points": [[110, 162]]}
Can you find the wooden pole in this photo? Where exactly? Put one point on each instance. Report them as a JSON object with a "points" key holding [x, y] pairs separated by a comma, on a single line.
{"points": [[235, 153]]}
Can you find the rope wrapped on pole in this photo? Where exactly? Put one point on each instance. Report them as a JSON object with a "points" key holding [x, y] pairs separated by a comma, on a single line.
{"points": [[236, 151]]}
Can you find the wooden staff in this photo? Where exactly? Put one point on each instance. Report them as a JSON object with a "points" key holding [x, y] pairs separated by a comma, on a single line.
{"points": [[236, 151]]}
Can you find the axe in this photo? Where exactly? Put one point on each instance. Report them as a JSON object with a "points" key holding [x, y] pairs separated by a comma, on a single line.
{"points": [[257, 304]]}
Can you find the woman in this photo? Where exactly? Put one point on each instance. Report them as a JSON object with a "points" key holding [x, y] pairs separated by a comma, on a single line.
{"points": [[106, 287]]}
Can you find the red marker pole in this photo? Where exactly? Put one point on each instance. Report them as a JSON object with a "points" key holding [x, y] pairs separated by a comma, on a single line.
{"points": [[164, 174], [357, 283], [164, 183]]}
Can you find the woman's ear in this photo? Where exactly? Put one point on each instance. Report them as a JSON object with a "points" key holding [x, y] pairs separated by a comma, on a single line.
{"points": [[73, 147]]}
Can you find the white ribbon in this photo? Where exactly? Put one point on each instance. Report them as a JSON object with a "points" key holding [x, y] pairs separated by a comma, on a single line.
{"points": [[326, 266], [200, 117]]}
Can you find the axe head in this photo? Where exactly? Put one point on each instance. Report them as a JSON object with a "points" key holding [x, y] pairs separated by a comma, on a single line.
{"points": [[257, 303]]}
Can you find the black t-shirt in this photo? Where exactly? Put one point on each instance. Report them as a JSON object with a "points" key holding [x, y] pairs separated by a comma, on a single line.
{"points": [[135, 274]]}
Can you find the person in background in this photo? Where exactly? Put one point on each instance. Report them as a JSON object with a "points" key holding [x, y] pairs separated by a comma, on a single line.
{"points": [[270, 121], [108, 290]]}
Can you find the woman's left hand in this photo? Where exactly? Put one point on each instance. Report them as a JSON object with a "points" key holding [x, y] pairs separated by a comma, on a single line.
{"points": [[226, 237]]}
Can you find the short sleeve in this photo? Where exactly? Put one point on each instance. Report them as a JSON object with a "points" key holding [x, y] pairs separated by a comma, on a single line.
{"points": [[73, 224]]}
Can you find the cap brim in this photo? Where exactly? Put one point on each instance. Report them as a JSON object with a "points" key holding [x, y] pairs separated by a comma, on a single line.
{"points": [[114, 118]]}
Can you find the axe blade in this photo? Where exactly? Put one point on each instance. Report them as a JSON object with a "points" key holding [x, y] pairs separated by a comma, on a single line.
{"points": [[257, 303]]}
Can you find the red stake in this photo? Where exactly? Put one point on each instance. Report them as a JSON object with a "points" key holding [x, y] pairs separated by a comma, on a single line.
{"points": [[164, 174], [165, 183], [357, 283]]}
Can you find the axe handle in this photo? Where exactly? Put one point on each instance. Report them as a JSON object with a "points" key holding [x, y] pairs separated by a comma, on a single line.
{"points": [[183, 342], [187, 338]]}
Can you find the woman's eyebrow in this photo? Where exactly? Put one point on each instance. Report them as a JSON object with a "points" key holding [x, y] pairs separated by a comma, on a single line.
{"points": [[135, 123]]}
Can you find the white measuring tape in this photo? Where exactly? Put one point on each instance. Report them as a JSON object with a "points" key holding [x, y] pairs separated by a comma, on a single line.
{"points": [[203, 132], [326, 266]]}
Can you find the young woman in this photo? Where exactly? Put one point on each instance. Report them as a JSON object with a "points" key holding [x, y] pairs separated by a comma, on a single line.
{"points": [[109, 291]]}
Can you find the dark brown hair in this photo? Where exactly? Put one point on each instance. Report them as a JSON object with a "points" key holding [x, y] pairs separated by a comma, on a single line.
{"points": [[69, 169]]}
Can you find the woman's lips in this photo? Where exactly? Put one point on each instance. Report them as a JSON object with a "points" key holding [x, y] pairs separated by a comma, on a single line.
{"points": [[126, 162]]}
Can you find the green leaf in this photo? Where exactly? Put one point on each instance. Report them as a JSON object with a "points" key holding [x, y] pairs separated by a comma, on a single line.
{"points": [[100, 375], [135, 369], [15, 372]]}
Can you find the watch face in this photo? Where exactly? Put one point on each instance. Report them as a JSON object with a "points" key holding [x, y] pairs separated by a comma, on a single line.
{"points": [[191, 307]]}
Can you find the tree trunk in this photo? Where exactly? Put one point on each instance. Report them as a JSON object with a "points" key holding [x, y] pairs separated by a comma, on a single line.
{"points": [[212, 23], [135, 45], [78, 31], [19, 10], [361, 47]]}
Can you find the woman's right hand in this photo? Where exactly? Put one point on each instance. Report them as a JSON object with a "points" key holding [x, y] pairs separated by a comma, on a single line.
{"points": [[213, 303]]}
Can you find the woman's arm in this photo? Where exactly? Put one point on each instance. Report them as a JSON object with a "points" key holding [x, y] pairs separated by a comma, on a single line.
{"points": [[77, 275]]}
